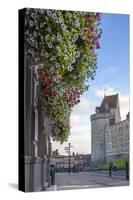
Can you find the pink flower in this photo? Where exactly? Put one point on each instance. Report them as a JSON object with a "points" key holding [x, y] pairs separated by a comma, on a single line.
{"points": [[90, 37], [97, 16], [86, 16], [53, 94], [91, 29]]}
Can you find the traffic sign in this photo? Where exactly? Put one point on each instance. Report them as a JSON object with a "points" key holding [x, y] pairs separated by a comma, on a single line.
{"points": [[67, 151], [66, 148]]}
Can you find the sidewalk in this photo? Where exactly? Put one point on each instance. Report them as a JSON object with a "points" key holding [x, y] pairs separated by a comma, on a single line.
{"points": [[52, 188]]}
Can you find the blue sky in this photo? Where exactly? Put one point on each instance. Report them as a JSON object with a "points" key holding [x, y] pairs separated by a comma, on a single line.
{"points": [[112, 76], [113, 56]]}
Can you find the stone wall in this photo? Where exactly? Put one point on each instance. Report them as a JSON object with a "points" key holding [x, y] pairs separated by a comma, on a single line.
{"points": [[109, 135], [99, 122], [117, 140], [36, 156]]}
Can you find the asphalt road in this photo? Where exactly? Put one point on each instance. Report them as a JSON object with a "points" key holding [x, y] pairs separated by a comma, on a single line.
{"points": [[85, 180], [118, 173]]}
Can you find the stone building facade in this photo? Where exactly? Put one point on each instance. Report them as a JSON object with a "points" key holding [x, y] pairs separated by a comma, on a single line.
{"points": [[117, 140], [36, 135], [34, 125], [81, 160], [109, 135]]}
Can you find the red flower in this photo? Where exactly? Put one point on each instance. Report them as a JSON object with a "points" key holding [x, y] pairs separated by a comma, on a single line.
{"points": [[53, 94], [48, 81], [45, 90], [84, 30]]}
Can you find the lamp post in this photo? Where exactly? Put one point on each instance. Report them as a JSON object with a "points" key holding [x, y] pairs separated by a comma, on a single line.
{"points": [[68, 150]]}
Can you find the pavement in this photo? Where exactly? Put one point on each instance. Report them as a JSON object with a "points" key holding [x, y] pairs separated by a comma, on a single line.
{"points": [[52, 188], [85, 180]]}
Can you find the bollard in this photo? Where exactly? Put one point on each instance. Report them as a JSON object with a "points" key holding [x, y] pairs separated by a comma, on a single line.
{"points": [[127, 170], [52, 173], [110, 169]]}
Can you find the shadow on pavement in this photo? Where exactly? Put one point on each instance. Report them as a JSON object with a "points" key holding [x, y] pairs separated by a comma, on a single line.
{"points": [[13, 185]]}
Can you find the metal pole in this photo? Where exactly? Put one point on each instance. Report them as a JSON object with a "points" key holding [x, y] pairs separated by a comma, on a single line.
{"points": [[49, 159], [69, 164], [68, 150], [127, 170], [52, 173], [110, 169], [69, 157]]}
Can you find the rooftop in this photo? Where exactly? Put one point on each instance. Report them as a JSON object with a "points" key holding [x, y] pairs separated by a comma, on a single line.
{"points": [[107, 103]]}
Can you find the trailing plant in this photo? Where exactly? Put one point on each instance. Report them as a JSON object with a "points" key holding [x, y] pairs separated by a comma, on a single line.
{"points": [[63, 45]]}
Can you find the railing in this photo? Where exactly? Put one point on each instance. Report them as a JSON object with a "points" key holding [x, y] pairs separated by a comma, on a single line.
{"points": [[108, 172], [111, 168]]}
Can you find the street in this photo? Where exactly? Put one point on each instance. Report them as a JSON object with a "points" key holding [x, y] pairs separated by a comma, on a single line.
{"points": [[116, 174], [92, 179]]}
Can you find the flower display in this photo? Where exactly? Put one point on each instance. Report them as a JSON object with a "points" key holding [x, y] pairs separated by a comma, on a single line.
{"points": [[63, 44]]}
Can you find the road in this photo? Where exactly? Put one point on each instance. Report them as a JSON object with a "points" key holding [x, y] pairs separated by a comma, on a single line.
{"points": [[118, 173], [94, 179]]}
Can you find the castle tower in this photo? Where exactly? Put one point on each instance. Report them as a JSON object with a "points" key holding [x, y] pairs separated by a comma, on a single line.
{"points": [[106, 115]]}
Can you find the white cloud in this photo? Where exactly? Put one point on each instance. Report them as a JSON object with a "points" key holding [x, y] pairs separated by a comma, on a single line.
{"points": [[80, 145], [124, 105], [75, 119], [83, 107], [79, 119], [107, 90], [84, 145], [80, 128], [80, 136], [123, 98]]}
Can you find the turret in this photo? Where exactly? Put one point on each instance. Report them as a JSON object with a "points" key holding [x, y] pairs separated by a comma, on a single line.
{"points": [[107, 113]]}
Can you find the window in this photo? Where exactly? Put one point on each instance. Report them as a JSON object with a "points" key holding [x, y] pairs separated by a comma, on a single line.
{"points": [[112, 122]]}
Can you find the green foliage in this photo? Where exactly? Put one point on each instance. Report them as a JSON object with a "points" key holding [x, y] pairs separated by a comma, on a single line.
{"points": [[103, 166], [63, 45], [119, 163]]}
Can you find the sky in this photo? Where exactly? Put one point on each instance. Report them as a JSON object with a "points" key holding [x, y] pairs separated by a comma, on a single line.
{"points": [[112, 76]]}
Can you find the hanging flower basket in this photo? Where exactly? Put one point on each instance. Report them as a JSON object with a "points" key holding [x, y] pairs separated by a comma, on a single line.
{"points": [[63, 44]]}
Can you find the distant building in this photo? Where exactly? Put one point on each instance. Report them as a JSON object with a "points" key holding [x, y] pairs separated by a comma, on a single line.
{"points": [[83, 160], [80, 160], [117, 140], [109, 135]]}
